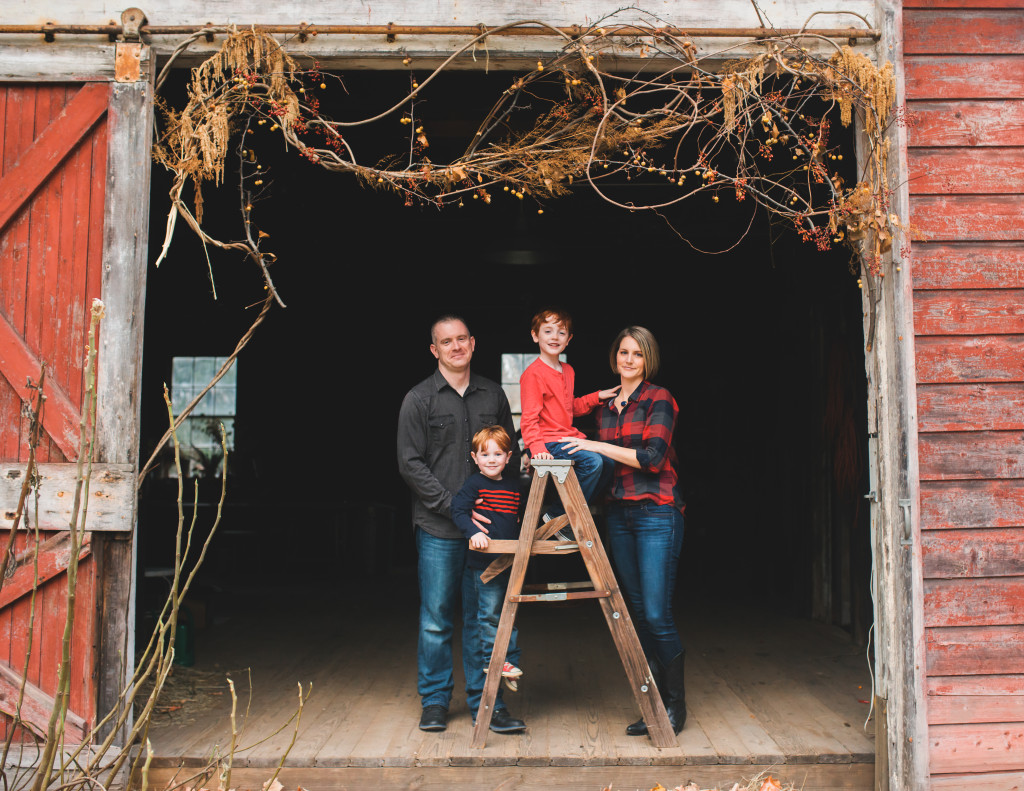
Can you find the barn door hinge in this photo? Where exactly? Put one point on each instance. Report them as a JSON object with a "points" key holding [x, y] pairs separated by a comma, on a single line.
{"points": [[128, 49]]}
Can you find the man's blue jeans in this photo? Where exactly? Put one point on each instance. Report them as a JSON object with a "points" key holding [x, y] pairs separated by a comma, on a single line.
{"points": [[645, 541], [593, 471], [443, 576]]}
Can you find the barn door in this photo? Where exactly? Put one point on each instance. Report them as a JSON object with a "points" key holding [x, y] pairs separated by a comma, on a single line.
{"points": [[53, 166]]}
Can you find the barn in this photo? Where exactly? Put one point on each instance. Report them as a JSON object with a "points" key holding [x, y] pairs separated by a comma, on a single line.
{"points": [[852, 586]]}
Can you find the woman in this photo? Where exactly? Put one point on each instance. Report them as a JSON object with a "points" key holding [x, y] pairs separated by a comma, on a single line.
{"points": [[645, 514]]}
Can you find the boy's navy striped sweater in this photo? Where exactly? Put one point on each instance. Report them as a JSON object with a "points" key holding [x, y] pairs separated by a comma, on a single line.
{"points": [[500, 505]]}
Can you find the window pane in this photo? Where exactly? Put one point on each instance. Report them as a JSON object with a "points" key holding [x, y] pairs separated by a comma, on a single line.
{"points": [[231, 377], [204, 370], [224, 402], [511, 368], [512, 393], [181, 371], [204, 407], [180, 396]]}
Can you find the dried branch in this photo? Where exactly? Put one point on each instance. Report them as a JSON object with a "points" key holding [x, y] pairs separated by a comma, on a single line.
{"points": [[746, 119]]}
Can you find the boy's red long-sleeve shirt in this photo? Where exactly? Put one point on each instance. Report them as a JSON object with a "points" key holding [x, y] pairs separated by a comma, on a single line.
{"points": [[548, 405]]}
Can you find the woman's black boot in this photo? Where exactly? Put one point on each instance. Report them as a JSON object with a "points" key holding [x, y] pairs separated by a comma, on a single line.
{"points": [[639, 728], [675, 692]]}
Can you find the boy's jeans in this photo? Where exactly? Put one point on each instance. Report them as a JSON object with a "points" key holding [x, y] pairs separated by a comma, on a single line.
{"points": [[490, 600], [593, 471]]}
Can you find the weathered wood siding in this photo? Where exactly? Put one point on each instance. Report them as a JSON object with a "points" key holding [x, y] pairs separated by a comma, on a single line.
{"points": [[53, 159], [965, 97]]}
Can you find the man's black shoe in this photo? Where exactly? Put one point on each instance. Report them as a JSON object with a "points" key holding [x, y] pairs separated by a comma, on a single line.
{"points": [[434, 718], [503, 722]]}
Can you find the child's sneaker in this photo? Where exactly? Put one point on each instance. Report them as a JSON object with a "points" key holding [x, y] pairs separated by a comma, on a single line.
{"points": [[509, 674]]}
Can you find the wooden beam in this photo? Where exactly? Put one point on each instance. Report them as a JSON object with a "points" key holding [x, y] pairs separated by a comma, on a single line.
{"points": [[125, 255], [895, 516], [54, 557], [36, 706], [988, 31], [947, 505], [967, 123], [967, 265], [952, 554], [111, 493], [965, 77], [19, 364], [975, 650], [50, 148], [996, 406], [807, 777]]}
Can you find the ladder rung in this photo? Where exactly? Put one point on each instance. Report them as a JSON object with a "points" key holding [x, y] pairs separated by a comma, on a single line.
{"points": [[565, 596], [509, 546], [560, 586]]}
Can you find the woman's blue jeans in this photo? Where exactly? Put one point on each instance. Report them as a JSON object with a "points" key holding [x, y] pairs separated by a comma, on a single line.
{"points": [[443, 577], [645, 541]]}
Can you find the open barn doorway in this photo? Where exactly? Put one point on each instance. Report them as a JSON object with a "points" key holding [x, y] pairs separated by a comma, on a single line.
{"points": [[762, 341]]}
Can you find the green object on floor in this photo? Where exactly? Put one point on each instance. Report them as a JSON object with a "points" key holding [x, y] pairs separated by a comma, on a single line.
{"points": [[184, 638]]}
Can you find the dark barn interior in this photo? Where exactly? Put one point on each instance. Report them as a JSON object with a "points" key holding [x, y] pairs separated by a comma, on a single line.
{"points": [[761, 336]]}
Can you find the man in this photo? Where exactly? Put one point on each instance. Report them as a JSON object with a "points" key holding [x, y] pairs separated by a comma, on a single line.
{"points": [[438, 419]]}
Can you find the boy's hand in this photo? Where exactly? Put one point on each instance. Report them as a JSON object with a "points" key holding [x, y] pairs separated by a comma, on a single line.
{"points": [[478, 519], [604, 395], [543, 455], [478, 541]]}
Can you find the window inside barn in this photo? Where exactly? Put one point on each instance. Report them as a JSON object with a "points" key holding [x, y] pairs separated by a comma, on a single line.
{"points": [[199, 434]]}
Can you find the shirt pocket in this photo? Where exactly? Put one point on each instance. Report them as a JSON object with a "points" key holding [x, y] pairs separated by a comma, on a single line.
{"points": [[441, 429], [487, 419]]}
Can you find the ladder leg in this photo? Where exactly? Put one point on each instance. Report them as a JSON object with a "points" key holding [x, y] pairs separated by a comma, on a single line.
{"points": [[614, 608], [508, 611]]}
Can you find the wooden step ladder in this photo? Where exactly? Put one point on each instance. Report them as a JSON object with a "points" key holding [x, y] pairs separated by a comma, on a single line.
{"points": [[534, 539]]}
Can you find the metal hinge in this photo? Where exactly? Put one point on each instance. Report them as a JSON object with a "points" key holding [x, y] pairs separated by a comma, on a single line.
{"points": [[128, 49]]}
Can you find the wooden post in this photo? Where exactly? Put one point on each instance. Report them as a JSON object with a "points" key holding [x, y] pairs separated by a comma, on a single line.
{"points": [[125, 253]]}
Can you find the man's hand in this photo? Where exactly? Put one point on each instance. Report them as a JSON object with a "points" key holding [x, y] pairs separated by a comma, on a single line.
{"points": [[478, 519], [478, 541]]}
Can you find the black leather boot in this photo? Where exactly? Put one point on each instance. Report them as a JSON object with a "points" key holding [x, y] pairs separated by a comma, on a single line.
{"points": [[675, 692], [639, 728]]}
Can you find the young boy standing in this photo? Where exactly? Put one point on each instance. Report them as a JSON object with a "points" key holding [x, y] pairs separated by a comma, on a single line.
{"points": [[498, 498], [546, 394]]}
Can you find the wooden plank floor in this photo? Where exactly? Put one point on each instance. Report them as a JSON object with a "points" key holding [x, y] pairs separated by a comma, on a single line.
{"points": [[763, 690]]}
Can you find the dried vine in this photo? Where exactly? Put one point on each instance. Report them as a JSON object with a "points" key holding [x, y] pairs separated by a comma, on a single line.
{"points": [[760, 128]]}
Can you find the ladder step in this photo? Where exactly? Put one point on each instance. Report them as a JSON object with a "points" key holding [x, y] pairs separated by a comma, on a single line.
{"points": [[509, 547], [564, 596], [559, 586]]}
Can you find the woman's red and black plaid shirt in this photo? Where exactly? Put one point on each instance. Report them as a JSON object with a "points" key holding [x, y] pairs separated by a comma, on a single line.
{"points": [[646, 425]]}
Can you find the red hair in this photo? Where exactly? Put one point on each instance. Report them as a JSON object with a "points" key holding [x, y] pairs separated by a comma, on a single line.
{"points": [[497, 433], [553, 315]]}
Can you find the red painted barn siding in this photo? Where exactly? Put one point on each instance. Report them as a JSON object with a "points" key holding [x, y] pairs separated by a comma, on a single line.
{"points": [[965, 92], [53, 154]]}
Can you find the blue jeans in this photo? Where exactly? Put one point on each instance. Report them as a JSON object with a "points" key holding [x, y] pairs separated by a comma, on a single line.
{"points": [[490, 600], [645, 541], [443, 574], [593, 471]]}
